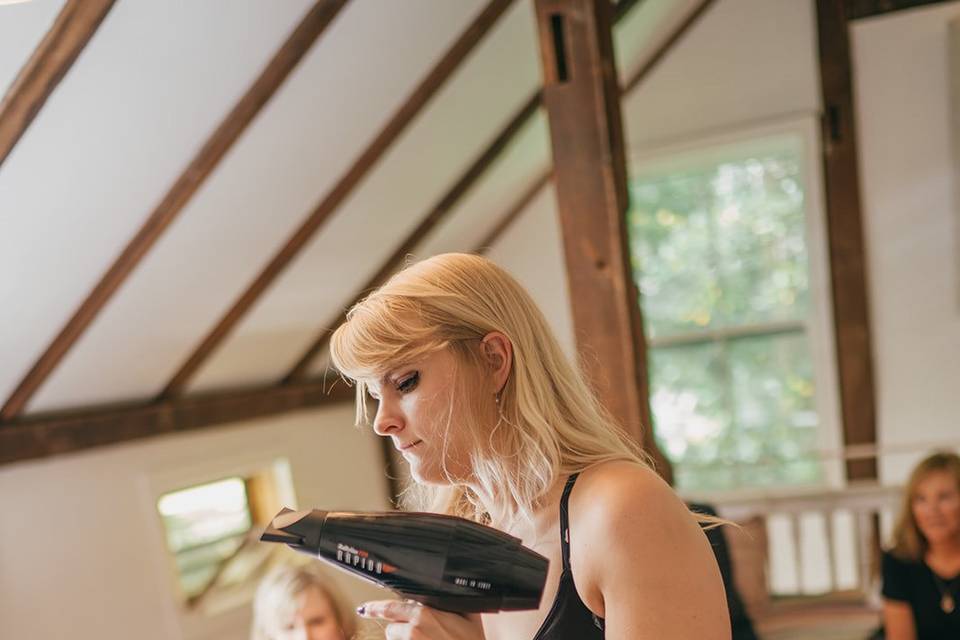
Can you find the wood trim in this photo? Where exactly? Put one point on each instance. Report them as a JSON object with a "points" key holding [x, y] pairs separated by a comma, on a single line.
{"points": [[437, 214], [857, 9], [848, 265], [514, 212], [271, 78], [49, 64], [427, 88], [42, 436], [640, 74], [582, 98]]}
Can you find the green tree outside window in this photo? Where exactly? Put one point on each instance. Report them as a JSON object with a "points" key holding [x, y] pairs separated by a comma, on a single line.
{"points": [[720, 258]]}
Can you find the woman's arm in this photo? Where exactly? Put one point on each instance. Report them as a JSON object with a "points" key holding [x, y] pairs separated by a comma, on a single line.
{"points": [[640, 559], [898, 620]]}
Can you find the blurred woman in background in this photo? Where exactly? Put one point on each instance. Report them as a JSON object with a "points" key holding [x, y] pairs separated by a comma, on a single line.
{"points": [[921, 574]]}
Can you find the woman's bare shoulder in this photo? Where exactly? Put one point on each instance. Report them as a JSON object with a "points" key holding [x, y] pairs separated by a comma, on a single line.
{"points": [[605, 490], [639, 557]]}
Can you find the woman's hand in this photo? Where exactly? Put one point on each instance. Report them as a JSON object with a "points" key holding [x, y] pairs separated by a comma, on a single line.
{"points": [[409, 620]]}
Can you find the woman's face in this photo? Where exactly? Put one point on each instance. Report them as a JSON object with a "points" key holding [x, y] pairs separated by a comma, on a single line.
{"points": [[315, 619], [936, 507], [418, 410]]}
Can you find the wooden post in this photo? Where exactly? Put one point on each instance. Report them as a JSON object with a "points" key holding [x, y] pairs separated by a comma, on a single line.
{"points": [[845, 238], [582, 98]]}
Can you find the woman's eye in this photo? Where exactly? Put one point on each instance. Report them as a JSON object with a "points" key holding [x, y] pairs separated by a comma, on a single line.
{"points": [[409, 383]]}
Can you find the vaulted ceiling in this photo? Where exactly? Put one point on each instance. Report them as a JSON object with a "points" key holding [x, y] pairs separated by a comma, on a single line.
{"points": [[192, 193]]}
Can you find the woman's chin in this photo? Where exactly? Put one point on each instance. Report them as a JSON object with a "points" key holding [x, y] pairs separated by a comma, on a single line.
{"points": [[940, 535]]}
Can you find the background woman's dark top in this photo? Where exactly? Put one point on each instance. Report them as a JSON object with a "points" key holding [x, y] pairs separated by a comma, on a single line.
{"points": [[916, 584], [740, 624]]}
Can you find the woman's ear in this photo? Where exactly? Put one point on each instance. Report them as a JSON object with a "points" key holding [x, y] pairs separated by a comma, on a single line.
{"points": [[498, 351]]}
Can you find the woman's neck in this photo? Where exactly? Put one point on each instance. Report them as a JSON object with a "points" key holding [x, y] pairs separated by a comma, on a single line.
{"points": [[544, 514]]}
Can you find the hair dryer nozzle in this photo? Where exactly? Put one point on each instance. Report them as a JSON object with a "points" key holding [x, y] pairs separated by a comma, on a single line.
{"points": [[445, 562]]}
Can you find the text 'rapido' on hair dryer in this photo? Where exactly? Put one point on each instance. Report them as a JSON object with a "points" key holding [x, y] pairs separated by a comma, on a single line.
{"points": [[444, 562]]}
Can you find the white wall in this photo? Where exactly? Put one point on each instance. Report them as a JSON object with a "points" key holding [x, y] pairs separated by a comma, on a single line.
{"points": [[81, 548], [907, 177]]}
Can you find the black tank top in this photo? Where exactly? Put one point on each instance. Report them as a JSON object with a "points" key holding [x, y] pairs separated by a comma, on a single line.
{"points": [[568, 618]]}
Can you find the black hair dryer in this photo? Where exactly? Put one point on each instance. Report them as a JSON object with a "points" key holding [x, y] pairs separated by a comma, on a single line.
{"points": [[444, 562]]}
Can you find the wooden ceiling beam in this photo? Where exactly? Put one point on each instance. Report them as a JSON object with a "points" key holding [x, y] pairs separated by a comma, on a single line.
{"points": [[50, 62], [440, 211], [857, 9], [313, 24], [582, 98], [634, 81], [55, 434], [414, 103], [845, 238]]}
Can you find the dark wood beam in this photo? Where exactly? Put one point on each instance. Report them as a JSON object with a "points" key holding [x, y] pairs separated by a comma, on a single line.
{"points": [[50, 62], [582, 98], [440, 211], [634, 81], [848, 268], [446, 204], [676, 35], [857, 9], [421, 95], [42, 436], [313, 24]]}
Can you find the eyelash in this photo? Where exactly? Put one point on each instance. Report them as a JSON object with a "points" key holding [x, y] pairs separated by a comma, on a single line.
{"points": [[406, 385], [409, 383]]}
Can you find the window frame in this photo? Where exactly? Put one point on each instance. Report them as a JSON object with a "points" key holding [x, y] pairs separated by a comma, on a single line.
{"points": [[682, 153], [182, 619]]}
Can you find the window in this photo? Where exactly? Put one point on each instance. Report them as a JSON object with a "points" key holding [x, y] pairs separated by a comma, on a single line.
{"points": [[205, 525], [721, 253], [212, 531]]}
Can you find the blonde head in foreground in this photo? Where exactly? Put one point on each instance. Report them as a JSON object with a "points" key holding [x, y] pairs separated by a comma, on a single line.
{"points": [[299, 603], [501, 413]]}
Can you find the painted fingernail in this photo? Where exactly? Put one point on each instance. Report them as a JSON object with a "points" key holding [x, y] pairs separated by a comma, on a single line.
{"points": [[362, 610]]}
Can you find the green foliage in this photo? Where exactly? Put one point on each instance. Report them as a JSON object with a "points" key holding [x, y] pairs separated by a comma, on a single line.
{"points": [[719, 255]]}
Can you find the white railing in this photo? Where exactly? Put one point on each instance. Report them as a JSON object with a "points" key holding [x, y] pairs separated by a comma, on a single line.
{"points": [[816, 541]]}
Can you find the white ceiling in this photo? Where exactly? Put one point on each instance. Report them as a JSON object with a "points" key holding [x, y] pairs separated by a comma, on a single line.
{"points": [[148, 90]]}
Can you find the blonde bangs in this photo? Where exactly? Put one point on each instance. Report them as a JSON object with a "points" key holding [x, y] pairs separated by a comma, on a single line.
{"points": [[382, 332]]}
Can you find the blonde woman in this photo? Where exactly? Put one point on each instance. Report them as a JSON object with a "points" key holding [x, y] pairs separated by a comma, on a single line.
{"points": [[921, 574], [298, 603], [497, 426]]}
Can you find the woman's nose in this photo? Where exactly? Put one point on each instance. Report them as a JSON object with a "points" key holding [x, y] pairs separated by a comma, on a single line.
{"points": [[388, 420]]}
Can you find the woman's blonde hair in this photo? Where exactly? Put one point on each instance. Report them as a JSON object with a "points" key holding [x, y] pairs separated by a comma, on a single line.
{"points": [[275, 602], [909, 542], [550, 423]]}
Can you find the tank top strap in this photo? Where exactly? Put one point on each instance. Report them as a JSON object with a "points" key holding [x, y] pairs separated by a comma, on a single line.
{"points": [[565, 521]]}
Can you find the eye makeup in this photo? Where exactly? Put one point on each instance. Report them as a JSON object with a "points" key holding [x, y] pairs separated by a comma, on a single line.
{"points": [[409, 382]]}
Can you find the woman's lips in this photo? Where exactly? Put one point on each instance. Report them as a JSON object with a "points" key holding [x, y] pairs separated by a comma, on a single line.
{"points": [[407, 447]]}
